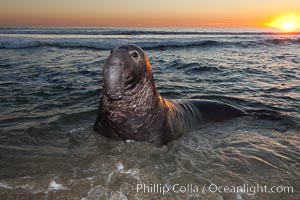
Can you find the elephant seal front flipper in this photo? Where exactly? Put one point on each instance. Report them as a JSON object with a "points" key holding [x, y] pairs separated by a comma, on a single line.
{"points": [[131, 107]]}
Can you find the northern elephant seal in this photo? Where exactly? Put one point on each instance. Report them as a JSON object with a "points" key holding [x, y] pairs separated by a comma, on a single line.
{"points": [[132, 109]]}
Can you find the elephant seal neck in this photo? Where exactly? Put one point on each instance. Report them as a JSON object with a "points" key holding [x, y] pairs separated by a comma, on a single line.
{"points": [[135, 112]]}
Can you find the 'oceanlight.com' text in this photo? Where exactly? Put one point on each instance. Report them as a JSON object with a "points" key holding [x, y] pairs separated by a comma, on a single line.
{"points": [[213, 188]]}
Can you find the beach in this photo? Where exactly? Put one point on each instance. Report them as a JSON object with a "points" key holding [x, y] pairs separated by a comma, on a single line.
{"points": [[50, 87]]}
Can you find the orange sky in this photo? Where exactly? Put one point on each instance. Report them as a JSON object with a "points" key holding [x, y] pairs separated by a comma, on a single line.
{"points": [[211, 13]]}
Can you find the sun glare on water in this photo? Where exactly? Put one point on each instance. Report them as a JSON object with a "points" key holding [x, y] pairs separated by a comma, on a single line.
{"points": [[288, 23]]}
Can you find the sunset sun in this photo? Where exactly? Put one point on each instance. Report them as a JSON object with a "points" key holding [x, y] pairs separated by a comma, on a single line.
{"points": [[288, 23]]}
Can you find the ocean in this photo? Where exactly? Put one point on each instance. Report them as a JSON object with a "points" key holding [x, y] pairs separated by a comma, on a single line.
{"points": [[50, 86]]}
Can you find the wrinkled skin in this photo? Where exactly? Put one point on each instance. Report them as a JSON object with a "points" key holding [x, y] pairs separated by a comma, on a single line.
{"points": [[131, 108]]}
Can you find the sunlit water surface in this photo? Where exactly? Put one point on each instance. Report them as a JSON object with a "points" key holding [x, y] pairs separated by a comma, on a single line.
{"points": [[49, 91]]}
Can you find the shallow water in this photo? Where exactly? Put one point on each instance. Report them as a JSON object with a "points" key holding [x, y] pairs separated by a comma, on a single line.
{"points": [[49, 91]]}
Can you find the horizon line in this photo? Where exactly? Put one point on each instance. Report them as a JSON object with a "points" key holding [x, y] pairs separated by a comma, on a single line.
{"points": [[130, 26]]}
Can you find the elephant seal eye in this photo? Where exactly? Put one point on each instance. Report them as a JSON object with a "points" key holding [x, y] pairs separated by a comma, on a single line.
{"points": [[134, 55]]}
